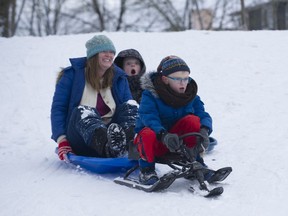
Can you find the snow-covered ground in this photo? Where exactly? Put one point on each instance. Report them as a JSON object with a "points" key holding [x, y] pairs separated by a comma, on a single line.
{"points": [[243, 80]]}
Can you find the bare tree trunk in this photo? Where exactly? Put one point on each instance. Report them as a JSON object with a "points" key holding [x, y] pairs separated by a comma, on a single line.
{"points": [[96, 8], [57, 15], [39, 19], [4, 18], [44, 17], [7, 17], [187, 15], [31, 19], [121, 14], [18, 17], [169, 13], [243, 15], [274, 5], [47, 11], [12, 17], [224, 7], [195, 2], [214, 12]]}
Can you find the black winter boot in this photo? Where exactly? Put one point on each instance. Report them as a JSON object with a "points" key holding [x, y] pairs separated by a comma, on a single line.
{"points": [[129, 132], [99, 141], [148, 176], [116, 145]]}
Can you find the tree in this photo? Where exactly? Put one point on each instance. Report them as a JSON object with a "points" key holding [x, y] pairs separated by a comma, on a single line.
{"points": [[55, 17], [243, 15], [5, 17], [42, 17], [8, 19], [106, 16], [166, 14]]}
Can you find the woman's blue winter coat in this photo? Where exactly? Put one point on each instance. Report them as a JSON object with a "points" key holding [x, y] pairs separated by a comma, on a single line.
{"points": [[69, 91]]}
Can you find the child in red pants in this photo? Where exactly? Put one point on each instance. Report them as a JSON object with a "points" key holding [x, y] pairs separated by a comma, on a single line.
{"points": [[169, 108]]}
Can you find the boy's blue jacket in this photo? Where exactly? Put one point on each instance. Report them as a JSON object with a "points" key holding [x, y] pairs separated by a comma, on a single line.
{"points": [[69, 90], [158, 116]]}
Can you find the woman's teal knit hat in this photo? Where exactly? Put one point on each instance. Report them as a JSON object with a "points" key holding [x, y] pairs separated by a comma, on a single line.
{"points": [[97, 44]]}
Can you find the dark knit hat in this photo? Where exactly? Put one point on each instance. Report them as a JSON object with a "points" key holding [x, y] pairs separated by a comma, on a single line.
{"points": [[97, 44], [173, 65]]}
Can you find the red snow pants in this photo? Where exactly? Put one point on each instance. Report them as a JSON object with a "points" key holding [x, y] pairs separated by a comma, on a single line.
{"points": [[149, 147]]}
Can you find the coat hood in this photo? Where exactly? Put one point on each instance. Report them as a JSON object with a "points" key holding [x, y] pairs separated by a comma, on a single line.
{"points": [[147, 82], [130, 53]]}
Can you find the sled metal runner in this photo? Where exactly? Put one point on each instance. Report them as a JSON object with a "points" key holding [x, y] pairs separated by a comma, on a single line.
{"points": [[183, 166], [167, 179]]}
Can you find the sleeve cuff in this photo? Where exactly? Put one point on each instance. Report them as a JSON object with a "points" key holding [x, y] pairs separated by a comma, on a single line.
{"points": [[61, 138]]}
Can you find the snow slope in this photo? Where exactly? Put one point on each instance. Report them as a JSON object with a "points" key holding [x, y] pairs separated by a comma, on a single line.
{"points": [[242, 78]]}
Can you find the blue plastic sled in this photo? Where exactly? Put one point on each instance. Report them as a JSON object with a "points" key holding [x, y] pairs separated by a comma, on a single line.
{"points": [[102, 165], [113, 165], [212, 144]]}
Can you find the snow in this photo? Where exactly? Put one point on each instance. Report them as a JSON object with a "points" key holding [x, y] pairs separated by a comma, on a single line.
{"points": [[242, 78], [133, 103]]}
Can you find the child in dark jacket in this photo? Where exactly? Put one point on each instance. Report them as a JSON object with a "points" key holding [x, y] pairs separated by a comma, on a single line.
{"points": [[170, 107], [132, 63]]}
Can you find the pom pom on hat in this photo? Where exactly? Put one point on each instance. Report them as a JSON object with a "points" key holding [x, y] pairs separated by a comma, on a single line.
{"points": [[97, 44], [172, 65]]}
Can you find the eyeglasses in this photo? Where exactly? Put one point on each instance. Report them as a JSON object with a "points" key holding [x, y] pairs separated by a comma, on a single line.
{"points": [[178, 80]]}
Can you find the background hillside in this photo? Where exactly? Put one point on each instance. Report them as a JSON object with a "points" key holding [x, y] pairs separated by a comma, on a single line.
{"points": [[242, 78]]}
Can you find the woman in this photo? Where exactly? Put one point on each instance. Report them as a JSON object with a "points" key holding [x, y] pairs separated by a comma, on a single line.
{"points": [[93, 113]]}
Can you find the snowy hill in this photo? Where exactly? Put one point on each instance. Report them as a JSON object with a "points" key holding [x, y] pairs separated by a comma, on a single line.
{"points": [[242, 78]]}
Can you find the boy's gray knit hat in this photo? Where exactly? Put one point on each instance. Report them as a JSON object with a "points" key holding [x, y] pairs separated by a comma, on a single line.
{"points": [[97, 44]]}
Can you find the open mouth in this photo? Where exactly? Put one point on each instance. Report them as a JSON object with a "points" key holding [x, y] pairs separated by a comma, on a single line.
{"points": [[133, 72]]}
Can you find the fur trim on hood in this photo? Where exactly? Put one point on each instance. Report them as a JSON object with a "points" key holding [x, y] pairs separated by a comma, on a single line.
{"points": [[147, 82]]}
